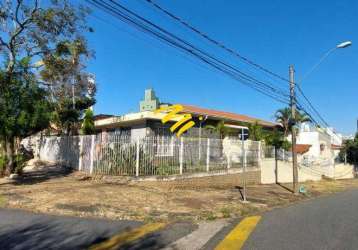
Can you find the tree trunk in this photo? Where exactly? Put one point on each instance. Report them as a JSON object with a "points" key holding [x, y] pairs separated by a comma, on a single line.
{"points": [[10, 164]]}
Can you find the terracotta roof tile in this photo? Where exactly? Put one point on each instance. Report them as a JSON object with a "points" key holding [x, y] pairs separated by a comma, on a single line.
{"points": [[302, 148], [336, 147], [225, 115]]}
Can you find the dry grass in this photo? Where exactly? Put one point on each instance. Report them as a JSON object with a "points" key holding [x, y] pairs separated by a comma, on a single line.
{"points": [[197, 199]]}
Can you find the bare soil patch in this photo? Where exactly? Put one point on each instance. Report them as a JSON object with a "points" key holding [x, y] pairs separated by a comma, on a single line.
{"points": [[195, 199]]}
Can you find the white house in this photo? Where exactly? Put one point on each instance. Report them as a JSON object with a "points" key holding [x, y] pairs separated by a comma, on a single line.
{"points": [[324, 143]]}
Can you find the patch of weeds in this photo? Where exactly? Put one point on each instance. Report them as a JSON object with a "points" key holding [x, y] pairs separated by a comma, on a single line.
{"points": [[209, 216], [226, 212], [2, 201], [77, 208], [247, 210], [149, 219]]}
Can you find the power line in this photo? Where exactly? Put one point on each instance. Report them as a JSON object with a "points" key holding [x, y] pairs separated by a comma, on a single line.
{"points": [[187, 43], [213, 41], [312, 107], [203, 56], [233, 52]]}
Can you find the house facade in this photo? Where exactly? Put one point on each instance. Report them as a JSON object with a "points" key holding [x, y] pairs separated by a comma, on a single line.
{"points": [[147, 122], [321, 144]]}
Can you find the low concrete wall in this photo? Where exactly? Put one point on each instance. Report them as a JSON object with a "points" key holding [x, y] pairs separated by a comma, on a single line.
{"points": [[253, 176], [343, 171], [284, 172]]}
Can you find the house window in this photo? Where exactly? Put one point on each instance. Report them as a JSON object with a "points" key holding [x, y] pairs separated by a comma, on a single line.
{"points": [[162, 131], [164, 146]]}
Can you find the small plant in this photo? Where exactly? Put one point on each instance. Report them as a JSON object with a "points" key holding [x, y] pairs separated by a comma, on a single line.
{"points": [[88, 127], [226, 212], [2, 201], [2, 164], [209, 216], [20, 163], [165, 169]]}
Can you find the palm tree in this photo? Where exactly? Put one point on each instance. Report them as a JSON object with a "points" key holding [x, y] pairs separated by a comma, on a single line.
{"points": [[302, 117], [283, 116]]}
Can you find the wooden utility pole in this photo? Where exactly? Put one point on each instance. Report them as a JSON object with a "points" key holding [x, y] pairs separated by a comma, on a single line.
{"points": [[293, 130]]}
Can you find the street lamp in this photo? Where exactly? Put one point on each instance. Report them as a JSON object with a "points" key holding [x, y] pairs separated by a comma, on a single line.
{"points": [[342, 45]]}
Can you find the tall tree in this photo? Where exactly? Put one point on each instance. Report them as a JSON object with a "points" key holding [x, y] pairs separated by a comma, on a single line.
{"points": [[30, 37], [284, 117], [88, 127], [72, 89], [24, 110], [349, 151], [255, 131]]}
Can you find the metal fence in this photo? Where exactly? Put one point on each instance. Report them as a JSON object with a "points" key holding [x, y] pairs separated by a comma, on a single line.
{"points": [[122, 155]]}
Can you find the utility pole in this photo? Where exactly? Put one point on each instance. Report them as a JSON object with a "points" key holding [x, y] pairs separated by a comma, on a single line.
{"points": [[293, 131]]}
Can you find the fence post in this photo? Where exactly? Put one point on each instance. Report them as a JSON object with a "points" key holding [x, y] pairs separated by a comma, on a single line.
{"points": [[137, 160], [81, 154], [259, 154], [283, 154], [92, 153], [181, 155], [208, 155], [229, 160], [245, 158]]}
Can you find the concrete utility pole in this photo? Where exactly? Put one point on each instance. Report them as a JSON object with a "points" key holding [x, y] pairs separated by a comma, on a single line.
{"points": [[293, 131]]}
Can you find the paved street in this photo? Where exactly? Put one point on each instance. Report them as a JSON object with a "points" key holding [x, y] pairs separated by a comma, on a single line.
{"points": [[23, 230], [324, 223]]}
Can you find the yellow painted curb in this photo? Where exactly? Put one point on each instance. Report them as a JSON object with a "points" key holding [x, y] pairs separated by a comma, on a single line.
{"points": [[127, 237], [237, 237]]}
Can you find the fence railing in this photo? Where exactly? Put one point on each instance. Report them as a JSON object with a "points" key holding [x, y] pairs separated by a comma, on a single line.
{"points": [[149, 156], [122, 155]]}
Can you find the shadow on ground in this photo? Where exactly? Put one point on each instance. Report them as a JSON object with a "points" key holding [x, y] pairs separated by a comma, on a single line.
{"points": [[43, 174], [42, 235]]}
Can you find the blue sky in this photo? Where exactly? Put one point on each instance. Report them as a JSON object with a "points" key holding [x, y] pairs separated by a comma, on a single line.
{"points": [[273, 33]]}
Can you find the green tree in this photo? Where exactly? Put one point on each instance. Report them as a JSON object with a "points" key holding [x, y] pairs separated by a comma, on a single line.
{"points": [[350, 150], [277, 139], [88, 127], [255, 131], [30, 37], [284, 117], [24, 110], [72, 89], [219, 128]]}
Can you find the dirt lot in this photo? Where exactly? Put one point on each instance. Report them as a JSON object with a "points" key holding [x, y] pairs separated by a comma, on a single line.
{"points": [[60, 192]]}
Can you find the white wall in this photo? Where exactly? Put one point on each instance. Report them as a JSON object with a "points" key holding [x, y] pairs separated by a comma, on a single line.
{"points": [[138, 132], [311, 138], [285, 173]]}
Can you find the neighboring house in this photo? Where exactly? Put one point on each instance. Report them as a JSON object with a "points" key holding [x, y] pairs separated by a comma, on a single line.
{"points": [[318, 144], [147, 122]]}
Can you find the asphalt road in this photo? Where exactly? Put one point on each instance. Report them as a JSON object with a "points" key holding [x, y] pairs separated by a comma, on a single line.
{"points": [[20, 230], [325, 223], [24, 230]]}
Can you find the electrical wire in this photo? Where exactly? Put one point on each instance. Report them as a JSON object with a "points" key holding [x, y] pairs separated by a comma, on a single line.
{"points": [[233, 52], [213, 41], [203, 56]]}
